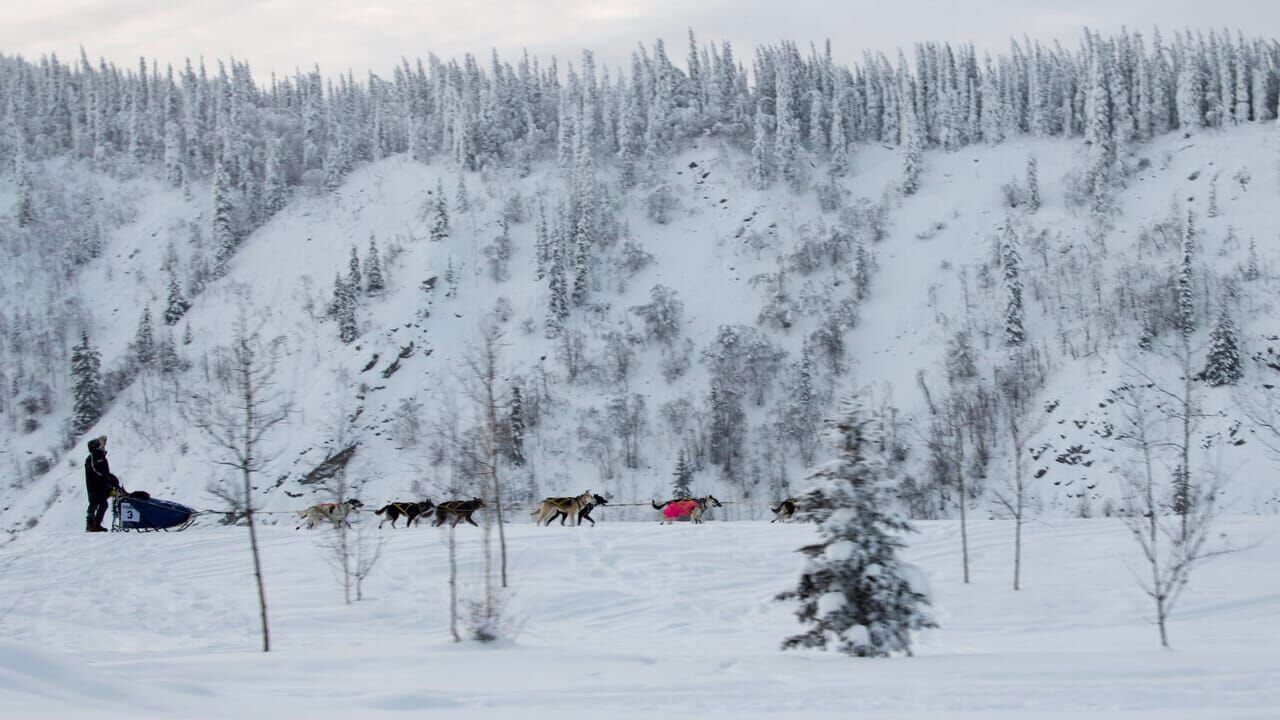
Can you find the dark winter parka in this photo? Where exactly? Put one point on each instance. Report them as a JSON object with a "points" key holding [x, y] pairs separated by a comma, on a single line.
{"points": [[98, 479]]}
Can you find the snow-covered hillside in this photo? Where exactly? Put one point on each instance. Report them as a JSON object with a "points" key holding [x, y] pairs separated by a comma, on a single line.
{"points": [[721, 239], [624, 620], [675, 266]]}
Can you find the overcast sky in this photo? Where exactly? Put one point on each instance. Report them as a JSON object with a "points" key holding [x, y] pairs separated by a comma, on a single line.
{"points": [[281, 35]]}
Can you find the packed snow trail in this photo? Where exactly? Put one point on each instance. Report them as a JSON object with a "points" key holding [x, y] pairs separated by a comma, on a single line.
{"points": [[622, 620]]}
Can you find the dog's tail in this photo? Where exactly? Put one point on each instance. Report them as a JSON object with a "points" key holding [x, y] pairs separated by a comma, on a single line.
{"points": [[779, 508], [383, 509], [656, 506]]}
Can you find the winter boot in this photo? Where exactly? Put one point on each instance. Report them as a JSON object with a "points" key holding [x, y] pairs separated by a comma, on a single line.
{"points": [[88, 525]]}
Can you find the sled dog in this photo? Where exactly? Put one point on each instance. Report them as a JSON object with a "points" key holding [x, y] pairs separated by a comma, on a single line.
{"points": [[412, 511], [335, 513], [459, 510], [548, 508]]}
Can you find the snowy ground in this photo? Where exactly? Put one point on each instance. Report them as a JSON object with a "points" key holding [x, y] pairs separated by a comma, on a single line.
{"points": [[627, 619]]}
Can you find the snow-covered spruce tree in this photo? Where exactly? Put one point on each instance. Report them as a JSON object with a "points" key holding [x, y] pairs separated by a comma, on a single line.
{"points": [[462, 202], [440, 215], [176, 306], [225, 236], [1253, 270], [1213, 211], [86, 385], [355, 279], [144, 341], [542, 243], [516, 423], [1186, 283], [275, 191], [761, 158], [1223, 367], [172, 154], [662, 315], [348, 330], [335, 300], [681, 487], [786, 136], [499, 252], [912, 151], [839, 141], [854, 593], [1189, 96], [1011, 260], [1033, 185], [167, 357], [374, 281]]}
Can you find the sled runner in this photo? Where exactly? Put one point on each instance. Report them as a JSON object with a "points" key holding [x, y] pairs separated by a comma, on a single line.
{"points": [[139, 511]]}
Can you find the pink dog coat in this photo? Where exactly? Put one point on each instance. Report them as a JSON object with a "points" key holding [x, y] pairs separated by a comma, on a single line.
{"points": [[679, 509]]}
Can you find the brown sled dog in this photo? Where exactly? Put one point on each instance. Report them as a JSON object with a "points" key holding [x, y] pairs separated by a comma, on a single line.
{"points": [[459, 510], [548, 508], [584, 513], [785, 510], [412, 511]]}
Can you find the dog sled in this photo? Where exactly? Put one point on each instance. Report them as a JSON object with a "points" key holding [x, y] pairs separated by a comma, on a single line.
{"points": [[139, 511]]}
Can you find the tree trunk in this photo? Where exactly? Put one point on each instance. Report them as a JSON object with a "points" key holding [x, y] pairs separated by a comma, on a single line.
{"points": [[257, 562], [1019, 490], [453, 586], [964, 525]]}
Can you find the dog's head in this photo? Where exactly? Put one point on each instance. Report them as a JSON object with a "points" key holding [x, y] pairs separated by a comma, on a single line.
{"points": [[353, 503], [477, 503], [711, 501], [585, 497], [599, 500]]}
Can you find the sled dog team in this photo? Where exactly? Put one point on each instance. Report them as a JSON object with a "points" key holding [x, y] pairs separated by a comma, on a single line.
{"points": [[578, 507]]}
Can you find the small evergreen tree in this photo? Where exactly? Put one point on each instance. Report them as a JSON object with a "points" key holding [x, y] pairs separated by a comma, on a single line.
{"points": [[144, 341], [355, 278], [86, 382], [373, 278], [177, 305], [25, 209], [462, 203], [1253, 270], [450, 279], [1223, 366], [542, 244], [1011, 259], [275, 190], [1213, 211], [440, 215], [1033, 185], [854, 592], [581, 259], [912, 152], [335, 300], [682, 486], [1186, 285], [517, 427], [167, 353], [225, 237], [498, 252], [348, 330], [761, 158]]}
